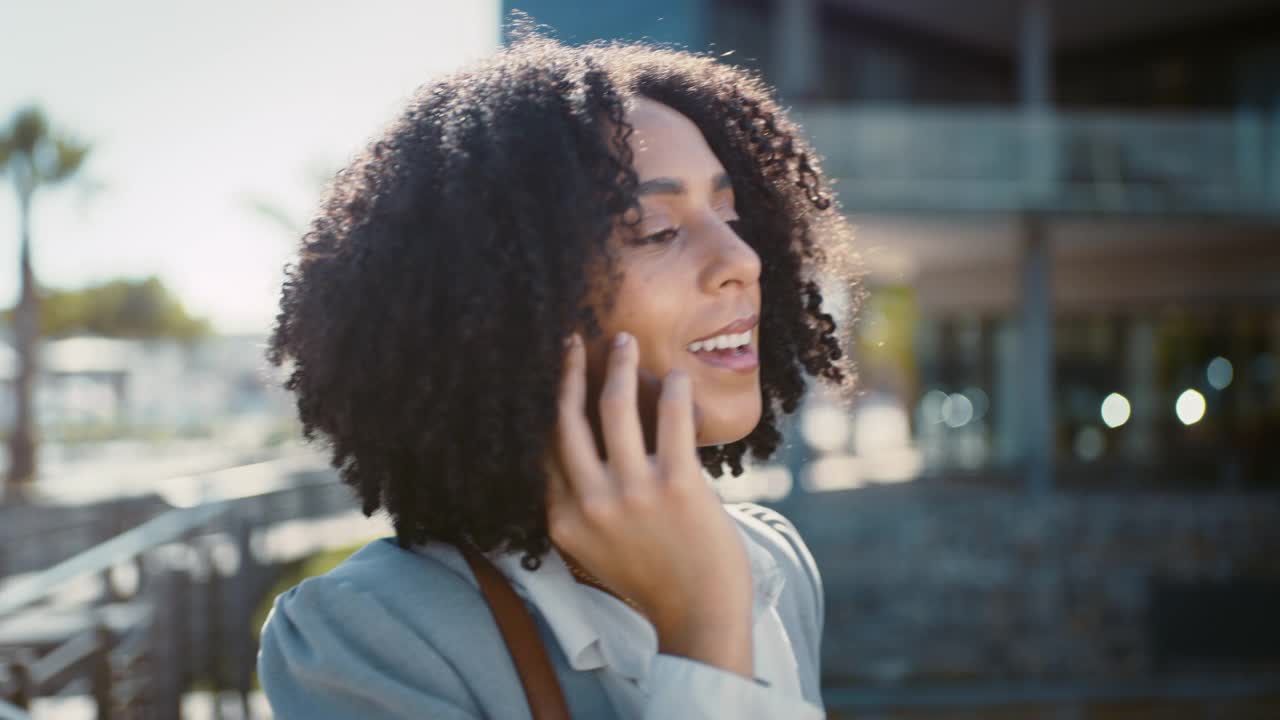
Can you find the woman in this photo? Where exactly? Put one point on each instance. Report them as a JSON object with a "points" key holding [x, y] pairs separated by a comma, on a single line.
{"points": [[560, 287]]}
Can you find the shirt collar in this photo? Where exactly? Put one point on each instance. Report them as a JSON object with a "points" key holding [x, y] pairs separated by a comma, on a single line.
{"points": [[595, 630], [551, 588]]}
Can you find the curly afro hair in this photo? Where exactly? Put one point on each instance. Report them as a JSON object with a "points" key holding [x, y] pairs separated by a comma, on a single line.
{"points": [[422, 321]]}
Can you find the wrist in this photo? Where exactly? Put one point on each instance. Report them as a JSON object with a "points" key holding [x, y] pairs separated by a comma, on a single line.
{"points": [[723, 641]]}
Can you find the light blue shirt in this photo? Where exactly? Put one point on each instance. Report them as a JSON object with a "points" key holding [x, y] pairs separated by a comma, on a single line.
{"points": [[396, 633]]}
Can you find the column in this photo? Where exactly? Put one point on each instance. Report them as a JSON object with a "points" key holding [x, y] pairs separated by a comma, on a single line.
{"points": [[1035, 55], [1036, 357], [1035, 85], [1140, 388], [797, 49], [1006, 394], [1035, 92]]}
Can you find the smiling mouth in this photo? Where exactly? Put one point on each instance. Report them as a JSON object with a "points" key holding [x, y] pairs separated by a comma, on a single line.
{"points": [[727, 352], [726, 340]]}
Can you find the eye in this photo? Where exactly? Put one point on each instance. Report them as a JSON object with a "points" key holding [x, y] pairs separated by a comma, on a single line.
{"points": [[730, 215], [664, 235]]}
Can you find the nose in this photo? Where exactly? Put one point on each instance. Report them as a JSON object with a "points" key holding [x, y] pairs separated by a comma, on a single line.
{"points": [[730, 260]]}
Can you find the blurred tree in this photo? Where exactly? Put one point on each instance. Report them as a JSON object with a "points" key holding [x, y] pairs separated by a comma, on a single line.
{"points": [[885, 340], [34, 157], [121, 309]]}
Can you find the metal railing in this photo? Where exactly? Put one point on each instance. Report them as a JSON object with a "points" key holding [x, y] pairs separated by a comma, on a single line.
{"points": [[102, 558], [201, 573], [997, 160], [121, 653], [12, 712]]}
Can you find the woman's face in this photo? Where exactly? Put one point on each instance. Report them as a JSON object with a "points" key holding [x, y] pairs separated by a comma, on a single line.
{"points": [[686, 276]]}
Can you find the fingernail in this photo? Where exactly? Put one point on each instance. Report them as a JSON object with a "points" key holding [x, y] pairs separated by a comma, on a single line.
{"points": [[621, 339], [571, 341]]}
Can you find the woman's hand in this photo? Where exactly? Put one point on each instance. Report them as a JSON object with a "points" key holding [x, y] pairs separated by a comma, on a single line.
{"points": [[649, 526]]}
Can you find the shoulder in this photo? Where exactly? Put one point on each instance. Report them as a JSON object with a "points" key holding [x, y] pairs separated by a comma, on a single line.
{"points": [[773, 528], [383, 567], [380, 578], [776, 533], [377, 632]]}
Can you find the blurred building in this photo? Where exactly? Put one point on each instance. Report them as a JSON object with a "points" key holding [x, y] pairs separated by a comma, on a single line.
{"points": [[129, 385], [1070, 218], [118, 416], [1060, 204]]}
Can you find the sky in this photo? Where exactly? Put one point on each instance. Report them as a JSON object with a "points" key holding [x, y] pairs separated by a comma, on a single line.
{"points": [[196, 110]]}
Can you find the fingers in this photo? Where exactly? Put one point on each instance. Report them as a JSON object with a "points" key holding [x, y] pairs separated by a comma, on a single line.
{"points": [[575, 446], [619, 416], [557, 489], [676, 445]]}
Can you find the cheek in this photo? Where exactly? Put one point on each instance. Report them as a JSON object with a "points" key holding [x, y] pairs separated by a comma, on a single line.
{"points": [[651, 307]]}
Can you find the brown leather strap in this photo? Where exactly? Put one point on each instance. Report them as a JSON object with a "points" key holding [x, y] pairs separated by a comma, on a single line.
{"points": [[541, 687]]}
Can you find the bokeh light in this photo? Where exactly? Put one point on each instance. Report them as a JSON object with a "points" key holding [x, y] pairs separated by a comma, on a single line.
{"points": [[957, 410], [931, 406], [1089, 443], [1115, 410], [1220, 372], [979, 400], [825, 428], [880, 426], [1190, 407]]}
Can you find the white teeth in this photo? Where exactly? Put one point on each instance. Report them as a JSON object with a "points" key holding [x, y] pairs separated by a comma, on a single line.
{"points": [[721, 342]]}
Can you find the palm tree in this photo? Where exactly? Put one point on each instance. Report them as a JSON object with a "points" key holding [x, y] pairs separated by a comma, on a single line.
{"points": [[34, 157], [316, 177]]}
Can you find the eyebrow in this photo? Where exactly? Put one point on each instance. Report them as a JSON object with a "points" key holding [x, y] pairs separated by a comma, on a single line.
{"points": [[675, 186]]}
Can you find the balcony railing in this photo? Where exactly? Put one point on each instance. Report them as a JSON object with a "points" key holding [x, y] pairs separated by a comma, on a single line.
{"points": [[995, 160]]}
